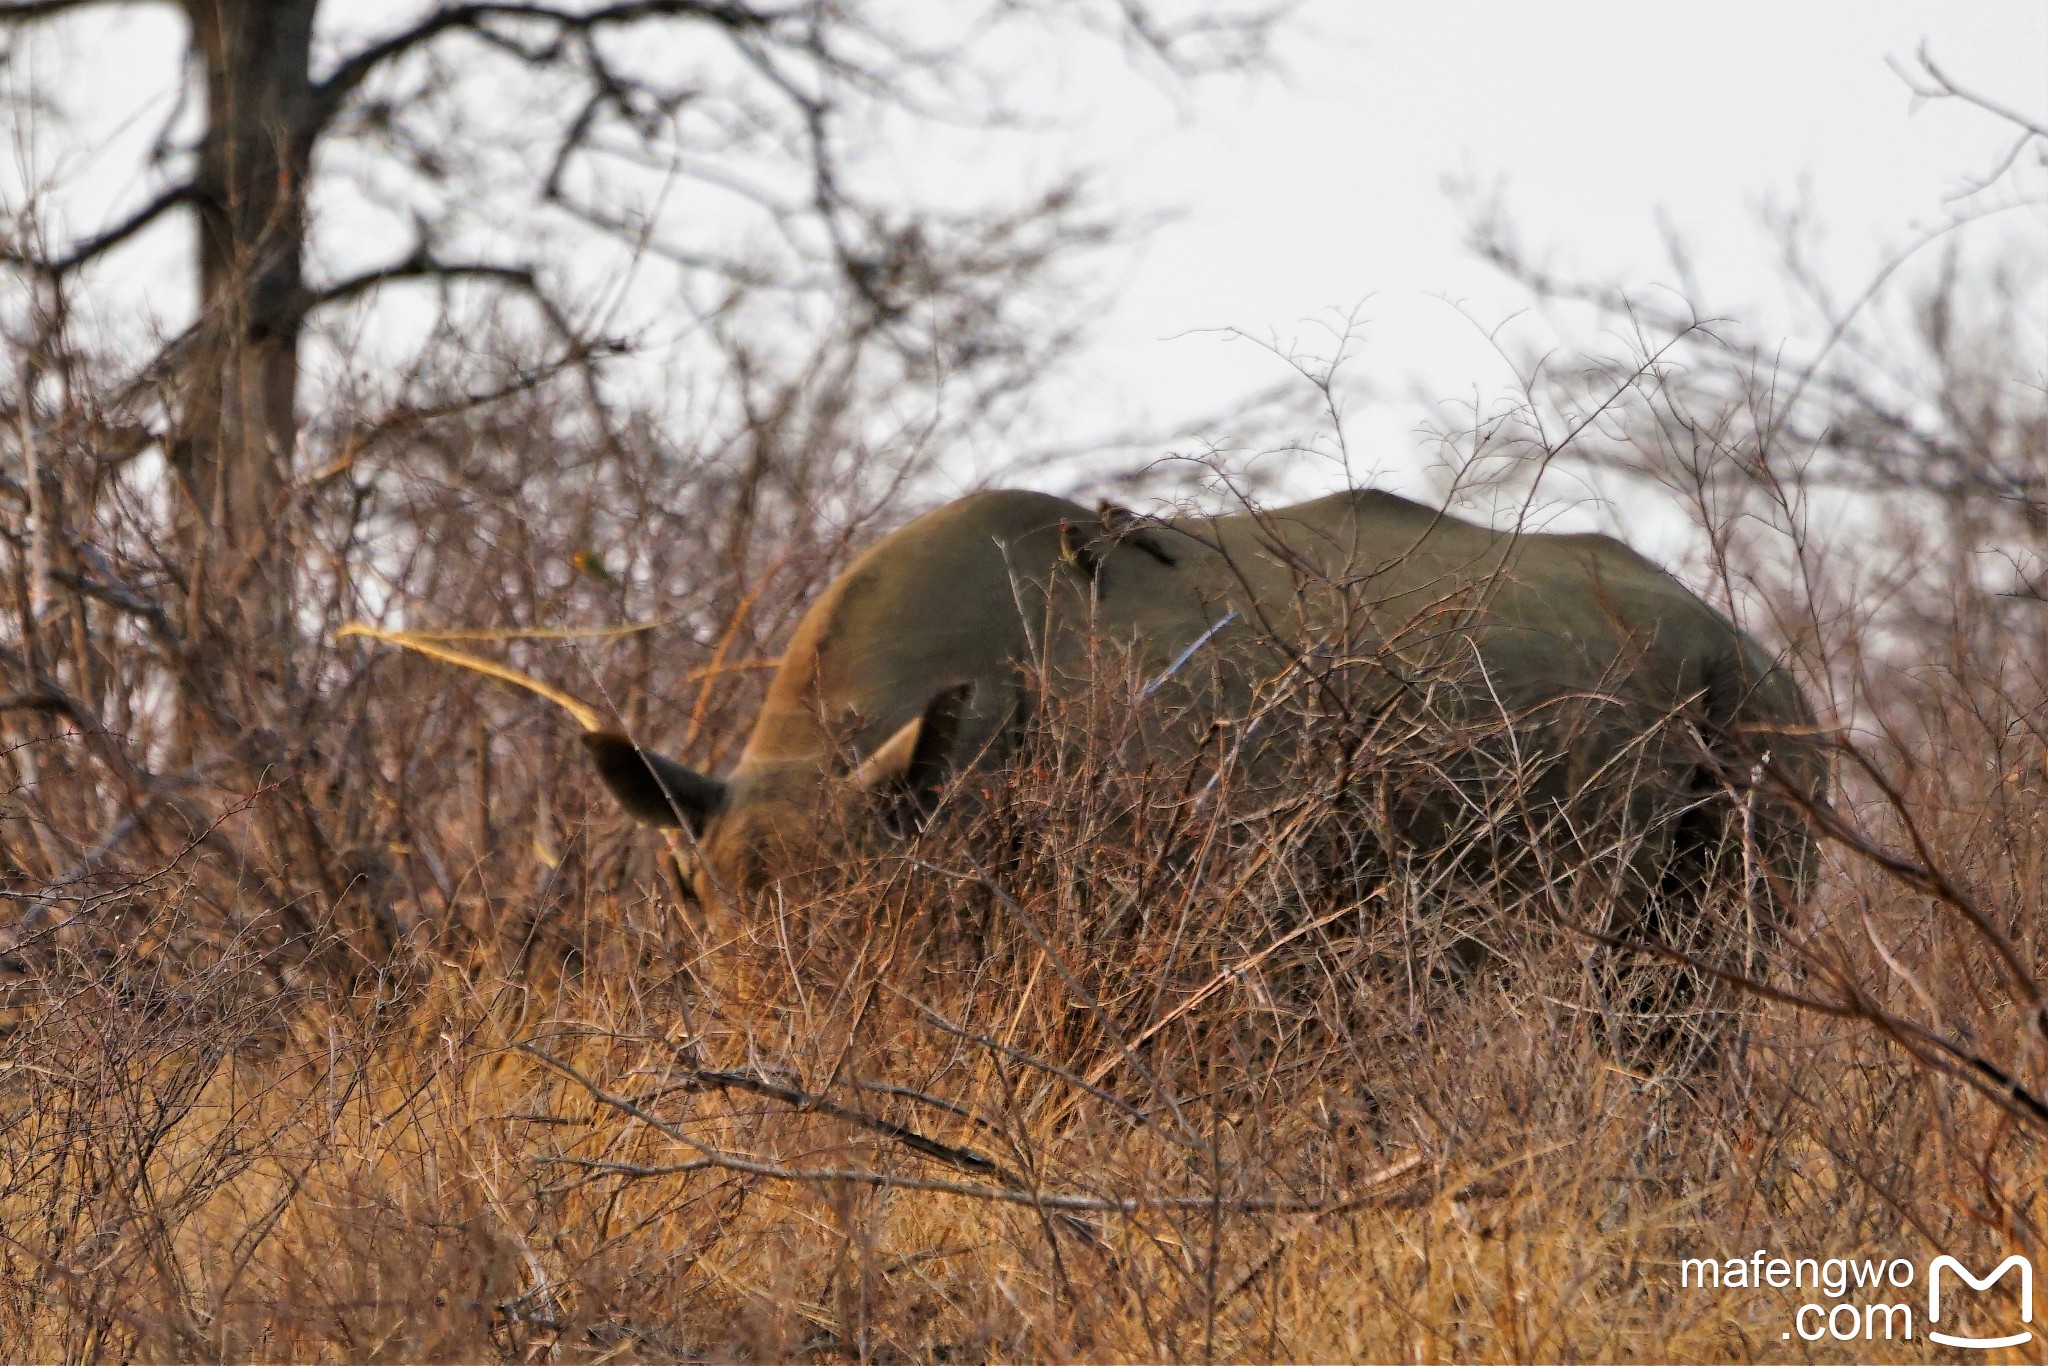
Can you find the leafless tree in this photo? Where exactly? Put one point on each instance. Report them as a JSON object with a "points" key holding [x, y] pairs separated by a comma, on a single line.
{"points": [[762, 106], [189, 523]]}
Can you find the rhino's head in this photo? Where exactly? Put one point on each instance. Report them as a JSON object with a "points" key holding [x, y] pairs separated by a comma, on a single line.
{"points": [[911, 665], [767, 818]]}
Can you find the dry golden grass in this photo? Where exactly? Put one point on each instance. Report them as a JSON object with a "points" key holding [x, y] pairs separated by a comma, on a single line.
{"points": [[1023, 1113]]}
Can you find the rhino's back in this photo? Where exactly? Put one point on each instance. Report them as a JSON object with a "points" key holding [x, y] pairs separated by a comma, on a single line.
{"points": [[1538, 612], [965, 594]]}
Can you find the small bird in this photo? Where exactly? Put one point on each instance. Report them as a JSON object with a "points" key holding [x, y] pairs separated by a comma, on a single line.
{"points": [[1129, 527], [1076, 551], [591, 563]]}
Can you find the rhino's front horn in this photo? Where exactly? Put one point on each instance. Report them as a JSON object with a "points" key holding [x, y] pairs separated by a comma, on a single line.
{"points": [[654, 789]]}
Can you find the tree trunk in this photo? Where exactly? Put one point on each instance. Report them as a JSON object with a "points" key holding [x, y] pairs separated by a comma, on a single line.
{"points": [[236, 430]]}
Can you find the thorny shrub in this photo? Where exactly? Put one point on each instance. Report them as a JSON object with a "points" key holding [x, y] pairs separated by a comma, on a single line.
{"points": [[362, 1028]]}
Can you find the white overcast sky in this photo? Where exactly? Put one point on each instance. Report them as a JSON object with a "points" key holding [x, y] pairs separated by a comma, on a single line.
{"points": [[1301, 197], [1306, 198]]}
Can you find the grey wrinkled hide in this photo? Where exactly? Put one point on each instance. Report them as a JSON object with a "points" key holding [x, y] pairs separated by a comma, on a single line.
{"points": [[914, 661]]}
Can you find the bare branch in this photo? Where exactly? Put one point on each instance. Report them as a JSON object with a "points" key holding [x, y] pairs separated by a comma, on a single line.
{"points": [[965, 1159], [1950, 1056], [1242, 35], [422, 264], [717, 1159], [107, 240], [36, 700], [353, 71], [27, 11], [1932, 83]]}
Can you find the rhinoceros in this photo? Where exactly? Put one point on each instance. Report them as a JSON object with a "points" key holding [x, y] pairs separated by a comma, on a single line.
{"points": [[918, 662]]}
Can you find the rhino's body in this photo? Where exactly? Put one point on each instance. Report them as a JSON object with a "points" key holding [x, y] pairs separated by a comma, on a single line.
{"points": [[914, 662]]}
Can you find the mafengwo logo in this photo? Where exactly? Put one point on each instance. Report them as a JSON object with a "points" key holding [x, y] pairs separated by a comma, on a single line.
{"points": [[2012, 1263], [1867, 1305]]}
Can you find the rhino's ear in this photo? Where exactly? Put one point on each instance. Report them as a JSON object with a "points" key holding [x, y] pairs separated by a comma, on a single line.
{"points": [[914, 759], [653, 789]]}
